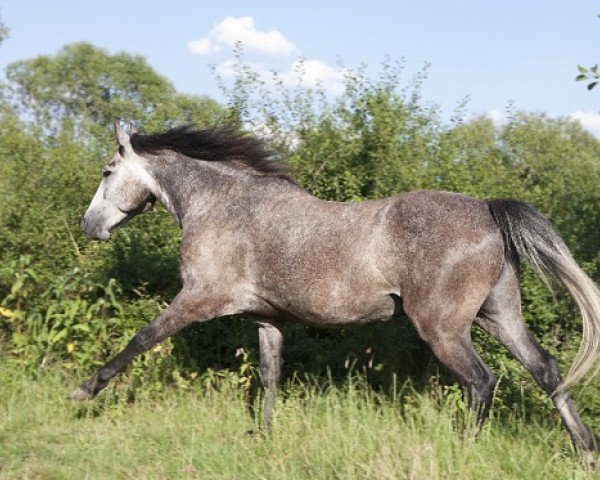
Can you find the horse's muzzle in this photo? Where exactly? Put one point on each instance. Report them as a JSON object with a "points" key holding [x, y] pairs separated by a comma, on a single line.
{"points": [[93, 233]]}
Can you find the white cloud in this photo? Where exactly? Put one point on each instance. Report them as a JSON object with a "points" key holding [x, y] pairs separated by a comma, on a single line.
{"points": [[270, 51], [204, 46], [305, 73], [497, 116], [232, 30], [226, 69], [589, 120], [314, 73]]}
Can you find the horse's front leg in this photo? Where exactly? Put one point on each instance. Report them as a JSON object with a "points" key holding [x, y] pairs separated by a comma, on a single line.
{"points": [[270, 343], [186, 308]]}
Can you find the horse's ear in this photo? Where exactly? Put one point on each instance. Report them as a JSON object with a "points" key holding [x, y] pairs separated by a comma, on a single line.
{"points": [[122, 135]]}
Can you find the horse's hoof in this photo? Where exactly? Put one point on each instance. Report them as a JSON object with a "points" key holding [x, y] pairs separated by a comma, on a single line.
{"points": [[79, 395], [589, 459], [255, 434]]}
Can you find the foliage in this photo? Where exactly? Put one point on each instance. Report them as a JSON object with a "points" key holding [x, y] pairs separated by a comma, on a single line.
{"points": [[589, 74], [3, 31], [74, 303]]}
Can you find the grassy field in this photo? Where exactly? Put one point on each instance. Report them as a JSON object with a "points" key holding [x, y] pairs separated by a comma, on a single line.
{"points": [[344, 432]]}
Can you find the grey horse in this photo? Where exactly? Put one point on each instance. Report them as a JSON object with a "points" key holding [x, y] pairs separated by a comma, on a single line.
{"points": [[256, 243]]}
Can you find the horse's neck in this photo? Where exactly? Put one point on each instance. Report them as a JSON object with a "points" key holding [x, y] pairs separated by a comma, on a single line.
{"points": [[190, 188], [172, 183]]}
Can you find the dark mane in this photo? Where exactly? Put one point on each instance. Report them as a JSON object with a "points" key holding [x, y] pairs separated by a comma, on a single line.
{"points": [[216, 144]]}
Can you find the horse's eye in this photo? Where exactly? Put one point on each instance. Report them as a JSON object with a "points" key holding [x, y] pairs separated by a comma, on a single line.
{"points": [[106, 172], [121, 150]]}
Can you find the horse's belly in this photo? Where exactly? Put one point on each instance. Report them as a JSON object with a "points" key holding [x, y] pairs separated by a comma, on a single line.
{"points": [[353, 311]]}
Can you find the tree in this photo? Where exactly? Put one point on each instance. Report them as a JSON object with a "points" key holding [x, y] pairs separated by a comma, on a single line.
{"points": [[3, 31], [92, 88]]}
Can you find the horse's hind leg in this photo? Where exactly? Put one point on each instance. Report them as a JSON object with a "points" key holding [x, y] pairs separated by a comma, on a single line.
{"points": [[456, 352], [500, 316], [448, 333], [270, 343]]}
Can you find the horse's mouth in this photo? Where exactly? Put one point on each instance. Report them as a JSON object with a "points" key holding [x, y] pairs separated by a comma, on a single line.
{"points": [[129, 214]]}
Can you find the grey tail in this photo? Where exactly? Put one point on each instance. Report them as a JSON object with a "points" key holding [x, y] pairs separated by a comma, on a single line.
{"points": [[528, 234]]}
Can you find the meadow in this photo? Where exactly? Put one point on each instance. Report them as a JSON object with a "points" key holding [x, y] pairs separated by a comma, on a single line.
{"points": [[321, 431]]}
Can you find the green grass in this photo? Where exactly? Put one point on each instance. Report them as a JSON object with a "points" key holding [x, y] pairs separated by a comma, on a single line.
{"points": [[347, 432]]}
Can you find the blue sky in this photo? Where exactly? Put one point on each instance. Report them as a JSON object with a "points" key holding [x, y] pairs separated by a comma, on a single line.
{"points": [[493, 51]]}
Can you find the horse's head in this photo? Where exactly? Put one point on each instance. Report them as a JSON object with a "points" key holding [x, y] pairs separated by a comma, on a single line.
{"points": [[123, 192]]}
